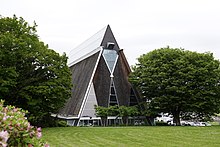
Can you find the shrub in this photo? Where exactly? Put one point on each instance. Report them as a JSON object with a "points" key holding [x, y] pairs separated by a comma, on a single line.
{"points": [[62, 123], [161, 123], [15, 130]]}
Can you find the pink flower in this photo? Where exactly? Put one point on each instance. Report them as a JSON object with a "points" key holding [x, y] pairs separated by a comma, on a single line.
{"points": [[39, 134], [31, 134], [39, 129], [29, 127], [4, 136], [15, 109], [46, 145], [3, 144], [18, 125], [30, 145], [10, 127], [4, 118]]}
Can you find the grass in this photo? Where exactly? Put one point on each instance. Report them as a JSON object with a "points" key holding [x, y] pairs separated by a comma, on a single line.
{"points": [[214, 123], [133, 136]]}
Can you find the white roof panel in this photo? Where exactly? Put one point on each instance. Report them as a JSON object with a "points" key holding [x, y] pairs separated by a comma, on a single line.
{"points": [[89, 47]]}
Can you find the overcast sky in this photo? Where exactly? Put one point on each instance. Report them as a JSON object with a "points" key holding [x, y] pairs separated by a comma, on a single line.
{"points": [[139, 26]]}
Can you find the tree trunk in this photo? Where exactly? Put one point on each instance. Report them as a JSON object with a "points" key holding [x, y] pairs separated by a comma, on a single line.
{"points": [[176, 118], [149, 121], [125, 120], [104, 121]]}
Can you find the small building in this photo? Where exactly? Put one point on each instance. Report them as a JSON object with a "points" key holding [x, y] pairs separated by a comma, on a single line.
{"points": [[99, 77]]}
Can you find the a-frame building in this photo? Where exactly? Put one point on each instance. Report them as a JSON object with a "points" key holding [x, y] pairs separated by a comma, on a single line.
{"points": [[99, 77]]}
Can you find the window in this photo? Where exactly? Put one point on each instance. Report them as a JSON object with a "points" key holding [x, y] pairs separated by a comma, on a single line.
{"points": [[113, 97], [110, 57]]}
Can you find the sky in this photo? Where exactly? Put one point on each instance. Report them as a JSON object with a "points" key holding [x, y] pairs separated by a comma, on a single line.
{"points": [[139, 26]]}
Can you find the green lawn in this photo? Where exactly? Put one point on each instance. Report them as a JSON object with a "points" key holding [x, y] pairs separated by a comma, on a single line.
{"points": [[133, 136]]}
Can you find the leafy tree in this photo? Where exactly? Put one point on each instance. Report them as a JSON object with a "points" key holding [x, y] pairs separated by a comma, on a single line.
{"points": [[32, 76], [103, 113], [177, 81], [145, 109], [113, 111], [125, 112], [122, 111]]}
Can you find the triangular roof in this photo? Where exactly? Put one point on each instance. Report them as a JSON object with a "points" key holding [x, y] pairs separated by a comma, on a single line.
{"points": [[92, 45], [109, 37]]}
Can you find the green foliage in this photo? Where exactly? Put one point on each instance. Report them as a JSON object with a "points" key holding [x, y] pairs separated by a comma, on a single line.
{"points": [[32, 76], [125, 112], [17, 130], [178, 81], [113, 110], [62, 123], [161, 124], [101, 111], [116, 111], [128, 111], [122, 111]]}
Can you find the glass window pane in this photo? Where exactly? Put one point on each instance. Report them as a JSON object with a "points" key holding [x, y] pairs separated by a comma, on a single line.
{"points": [[110, 57]]}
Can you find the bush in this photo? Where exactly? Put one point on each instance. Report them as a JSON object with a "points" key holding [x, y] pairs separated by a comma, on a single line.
{"points": [[62, 123], [15, 130], [161, 124]]}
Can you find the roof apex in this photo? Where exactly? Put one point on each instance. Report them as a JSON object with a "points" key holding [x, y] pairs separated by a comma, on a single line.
{"points": [[92, 45]]}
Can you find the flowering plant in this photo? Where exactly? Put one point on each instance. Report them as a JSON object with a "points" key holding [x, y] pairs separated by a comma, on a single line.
{"points": [[15, 130]]}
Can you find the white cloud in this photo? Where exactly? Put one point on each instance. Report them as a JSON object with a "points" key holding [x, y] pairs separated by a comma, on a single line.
{"points": [[139, 26]]}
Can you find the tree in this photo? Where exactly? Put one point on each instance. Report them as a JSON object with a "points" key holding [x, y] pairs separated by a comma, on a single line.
{"points": [[103, 113], [125, 112], [122, 111], [113, 110], [32, 76], [177, 81]]}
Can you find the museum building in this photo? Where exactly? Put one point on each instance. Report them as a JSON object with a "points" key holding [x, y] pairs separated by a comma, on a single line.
{"points": [[100, 77]]}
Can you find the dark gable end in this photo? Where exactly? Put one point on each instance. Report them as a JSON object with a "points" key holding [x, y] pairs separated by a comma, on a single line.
{"points": [[121, 82], [109, 37], [101, 82], [81, 75]]}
